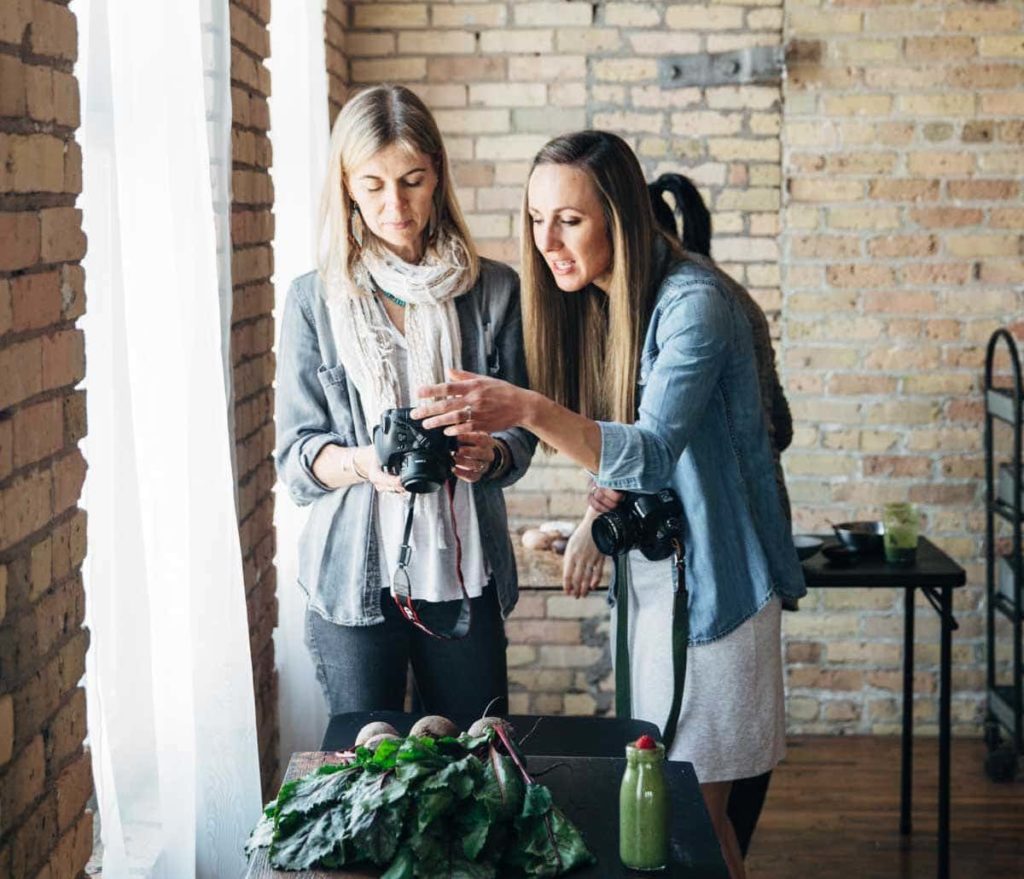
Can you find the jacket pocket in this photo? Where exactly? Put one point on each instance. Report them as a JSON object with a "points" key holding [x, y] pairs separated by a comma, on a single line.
{"points": [[331, 375], [333, 380]]}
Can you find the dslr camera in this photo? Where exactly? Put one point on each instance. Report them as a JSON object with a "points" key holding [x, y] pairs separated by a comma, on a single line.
{"points": [[421, 459], [648, 522]]}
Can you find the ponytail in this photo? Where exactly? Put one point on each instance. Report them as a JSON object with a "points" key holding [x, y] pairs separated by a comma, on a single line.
{"points": [[690, 208]]}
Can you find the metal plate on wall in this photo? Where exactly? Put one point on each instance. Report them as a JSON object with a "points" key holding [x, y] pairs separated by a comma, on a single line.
{"points": [[757, 64]]}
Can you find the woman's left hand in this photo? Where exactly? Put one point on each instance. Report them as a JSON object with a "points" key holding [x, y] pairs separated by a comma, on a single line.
{"points": [[471, 403], [474, 456]]}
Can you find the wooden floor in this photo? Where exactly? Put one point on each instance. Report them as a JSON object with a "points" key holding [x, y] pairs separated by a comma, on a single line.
{"points": [[833, 811]]}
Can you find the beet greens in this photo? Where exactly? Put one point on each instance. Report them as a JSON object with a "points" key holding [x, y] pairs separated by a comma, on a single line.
{"points": [[424, 808]]}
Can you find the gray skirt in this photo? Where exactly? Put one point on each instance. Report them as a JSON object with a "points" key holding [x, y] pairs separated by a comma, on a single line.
{"points": [[733, 719]]}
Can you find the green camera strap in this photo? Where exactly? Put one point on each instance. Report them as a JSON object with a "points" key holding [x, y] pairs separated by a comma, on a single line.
{"points": [[680, 637]]}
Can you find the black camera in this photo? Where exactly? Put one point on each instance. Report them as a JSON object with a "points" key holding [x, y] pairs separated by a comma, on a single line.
{"points": [[420, 458], [651, 523]]}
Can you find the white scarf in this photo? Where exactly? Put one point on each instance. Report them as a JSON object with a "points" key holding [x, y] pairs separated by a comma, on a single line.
{"points": [[363, 340], [364, 343]]}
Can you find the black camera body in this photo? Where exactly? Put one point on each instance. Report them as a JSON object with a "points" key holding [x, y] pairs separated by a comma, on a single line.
{"points": [[420, 458], [652, 523]]}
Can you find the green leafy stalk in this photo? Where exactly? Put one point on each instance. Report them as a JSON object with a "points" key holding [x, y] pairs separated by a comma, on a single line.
{"points": [[423, 809]]}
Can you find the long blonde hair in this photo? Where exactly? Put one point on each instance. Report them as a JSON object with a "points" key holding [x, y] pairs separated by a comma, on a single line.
{"points": [[370, 121], [597, 337]]}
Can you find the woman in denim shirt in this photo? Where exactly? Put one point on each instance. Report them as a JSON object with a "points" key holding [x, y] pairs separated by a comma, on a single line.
{"points": [[643, 372], [401, 294]]}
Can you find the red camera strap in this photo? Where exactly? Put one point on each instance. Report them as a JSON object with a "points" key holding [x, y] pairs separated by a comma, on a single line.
{"points": [[401, 587]]}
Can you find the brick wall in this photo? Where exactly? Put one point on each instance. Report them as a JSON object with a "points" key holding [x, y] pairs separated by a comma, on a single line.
{"points": [[335, 26], [252, 339], [45, 776], [901, 253], [503, 78]]}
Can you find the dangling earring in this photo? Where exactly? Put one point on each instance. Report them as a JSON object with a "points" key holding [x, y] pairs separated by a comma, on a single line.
{"points": [[356, 223], [432, 224]]}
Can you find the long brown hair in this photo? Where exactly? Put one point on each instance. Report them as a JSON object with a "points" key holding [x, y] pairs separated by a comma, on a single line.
{"points": [[370, 121], [583, 349]]}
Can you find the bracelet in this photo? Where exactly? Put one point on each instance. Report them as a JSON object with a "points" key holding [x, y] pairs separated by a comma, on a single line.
{"points": [[499, 462], [355, 468]]}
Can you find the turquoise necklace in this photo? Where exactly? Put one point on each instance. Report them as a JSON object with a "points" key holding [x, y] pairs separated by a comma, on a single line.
{"points": [[401, 303]]}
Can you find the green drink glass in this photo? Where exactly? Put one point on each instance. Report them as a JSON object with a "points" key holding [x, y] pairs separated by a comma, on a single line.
{"points": [[644, 809], [900, 538]]}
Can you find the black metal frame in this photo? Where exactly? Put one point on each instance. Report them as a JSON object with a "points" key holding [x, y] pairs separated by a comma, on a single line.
{"points": [[1005, 704], [936, 575]]}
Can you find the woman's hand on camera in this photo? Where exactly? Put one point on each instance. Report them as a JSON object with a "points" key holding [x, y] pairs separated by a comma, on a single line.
{"points": [[474, 456], [368, 463], [603, 500], [583, 563], [471, 403]]}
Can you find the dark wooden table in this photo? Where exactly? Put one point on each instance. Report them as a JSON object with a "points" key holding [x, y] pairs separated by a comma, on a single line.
{"points": [[936, 575], [586, 789]]}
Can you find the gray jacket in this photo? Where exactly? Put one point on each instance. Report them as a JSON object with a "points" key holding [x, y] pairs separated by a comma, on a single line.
{"points": [[317, 404]]}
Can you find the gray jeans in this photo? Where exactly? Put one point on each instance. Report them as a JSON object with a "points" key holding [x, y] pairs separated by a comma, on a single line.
{"points": [[364, 668]]}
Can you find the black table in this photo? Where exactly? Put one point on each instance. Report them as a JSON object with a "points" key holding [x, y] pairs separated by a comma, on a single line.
{"points": [[936, 575], [586, 789], [548, 735]]}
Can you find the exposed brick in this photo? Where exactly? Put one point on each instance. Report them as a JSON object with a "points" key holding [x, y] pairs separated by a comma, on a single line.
{"points": [[74, 787], [38, 432], [61, 236], [24, 781], [19, 240], [63, 358], [35, 300], [14, 19], [53, 31]]}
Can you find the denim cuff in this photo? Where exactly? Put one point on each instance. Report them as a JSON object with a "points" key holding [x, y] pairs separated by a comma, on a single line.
{"points": [[308, 451], [621, 457]]}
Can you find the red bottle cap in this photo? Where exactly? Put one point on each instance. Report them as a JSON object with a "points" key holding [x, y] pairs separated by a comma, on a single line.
{"points": [[645, 743]]}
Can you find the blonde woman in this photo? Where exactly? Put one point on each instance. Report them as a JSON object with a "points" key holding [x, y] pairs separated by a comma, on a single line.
{"points": [[643, 372], [400, 297]]}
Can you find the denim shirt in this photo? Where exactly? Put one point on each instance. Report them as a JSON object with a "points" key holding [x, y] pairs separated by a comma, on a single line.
{"points": [[700, 428], [317, 404]]}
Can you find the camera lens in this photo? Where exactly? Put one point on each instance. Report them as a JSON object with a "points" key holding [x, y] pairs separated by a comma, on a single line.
{"points": [[422, 472], [613, 532]]}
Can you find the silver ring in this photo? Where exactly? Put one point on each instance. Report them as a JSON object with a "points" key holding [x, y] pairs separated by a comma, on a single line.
{"points": [[468, 410]]}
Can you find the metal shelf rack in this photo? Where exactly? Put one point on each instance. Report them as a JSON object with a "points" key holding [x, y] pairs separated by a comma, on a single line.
{"points": [[1004, 587]]}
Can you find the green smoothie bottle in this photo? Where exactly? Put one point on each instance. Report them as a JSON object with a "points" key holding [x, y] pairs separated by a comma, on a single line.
{"points": [[644, 807]]}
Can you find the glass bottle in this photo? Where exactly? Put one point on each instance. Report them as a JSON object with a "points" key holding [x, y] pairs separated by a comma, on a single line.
{"points": [[644, 808]]}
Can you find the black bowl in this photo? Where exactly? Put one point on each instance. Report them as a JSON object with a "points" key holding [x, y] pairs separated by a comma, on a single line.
{"points": [[806, 545], [863, 537], [839, 555]]}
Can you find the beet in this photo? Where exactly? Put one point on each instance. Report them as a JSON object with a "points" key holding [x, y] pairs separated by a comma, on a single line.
{"points": [[375, 729], [481, 726], [435, 726]]}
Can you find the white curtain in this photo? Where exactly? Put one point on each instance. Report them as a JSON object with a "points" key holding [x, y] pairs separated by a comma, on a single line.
{"points": [[169, 680], [299, 135]]}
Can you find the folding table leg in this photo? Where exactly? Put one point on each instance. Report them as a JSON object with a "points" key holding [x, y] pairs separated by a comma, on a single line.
{"points": [[945, 688], [907, 738]]}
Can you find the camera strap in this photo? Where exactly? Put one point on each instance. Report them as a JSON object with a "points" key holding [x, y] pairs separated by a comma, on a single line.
{"points": [[680, 638], [401, 587]]}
